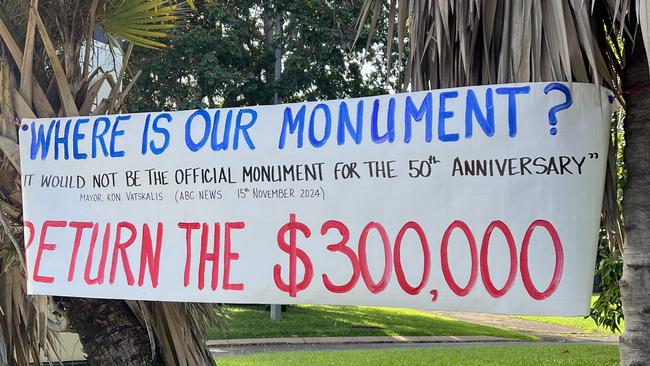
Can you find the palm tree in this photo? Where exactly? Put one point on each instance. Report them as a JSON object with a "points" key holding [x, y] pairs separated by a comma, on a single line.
{"points": [[43, 73], [465, 42]]}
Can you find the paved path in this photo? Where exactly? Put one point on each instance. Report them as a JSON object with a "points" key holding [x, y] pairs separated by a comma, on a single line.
{"points": [[246, 346], [355, 340], [229, 347], [546, 332], [221, 351]]}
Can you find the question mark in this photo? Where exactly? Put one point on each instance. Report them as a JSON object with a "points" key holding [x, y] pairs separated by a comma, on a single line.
{"points": [[552, 119]]}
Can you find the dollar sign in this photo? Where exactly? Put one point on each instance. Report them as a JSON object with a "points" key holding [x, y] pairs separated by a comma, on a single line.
{"points": [[294, 253]]}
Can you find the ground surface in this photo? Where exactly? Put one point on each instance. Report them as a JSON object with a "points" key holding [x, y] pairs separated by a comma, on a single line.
{"points": [[561, 341], [588, 325], [578, 354], [543, 330], [339, 321]]}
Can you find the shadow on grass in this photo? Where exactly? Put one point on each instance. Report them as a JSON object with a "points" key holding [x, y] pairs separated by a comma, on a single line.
{"points": [[349, 321]]}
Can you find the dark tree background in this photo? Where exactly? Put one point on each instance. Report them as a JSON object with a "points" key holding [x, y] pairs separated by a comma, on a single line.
{"points": [[227, 56]]}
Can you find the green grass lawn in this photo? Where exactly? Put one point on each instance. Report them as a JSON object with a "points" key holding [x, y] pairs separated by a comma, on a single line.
{"points": [[502, 355], [337, 321], [588, 325]]}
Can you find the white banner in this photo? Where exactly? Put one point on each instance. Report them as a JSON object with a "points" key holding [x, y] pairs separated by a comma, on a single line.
{"points": [[475, 199]]}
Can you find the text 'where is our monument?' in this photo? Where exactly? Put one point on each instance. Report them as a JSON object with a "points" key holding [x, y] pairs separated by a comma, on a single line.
{"points": [[474, 199]]}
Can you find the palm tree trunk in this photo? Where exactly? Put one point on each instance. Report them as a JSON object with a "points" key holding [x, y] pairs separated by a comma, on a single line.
{"points": [[635, 283], [110, 332]]}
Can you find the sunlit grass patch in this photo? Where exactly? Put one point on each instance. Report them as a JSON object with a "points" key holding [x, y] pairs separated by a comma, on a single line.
{"points": [[349, 321]]}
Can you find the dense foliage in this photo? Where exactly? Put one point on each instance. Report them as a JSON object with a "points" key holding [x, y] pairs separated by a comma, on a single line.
{"points": [[226, 57], [607, 310]]}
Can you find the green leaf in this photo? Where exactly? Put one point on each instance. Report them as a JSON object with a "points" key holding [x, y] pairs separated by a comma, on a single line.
{"points": [[143, 22]]}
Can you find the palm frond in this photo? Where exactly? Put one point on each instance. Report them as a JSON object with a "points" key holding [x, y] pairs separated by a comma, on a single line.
{"points": [[522, 41], [143, 22], [192, 3], [26, 329], [178, 329], [65, 92]]}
